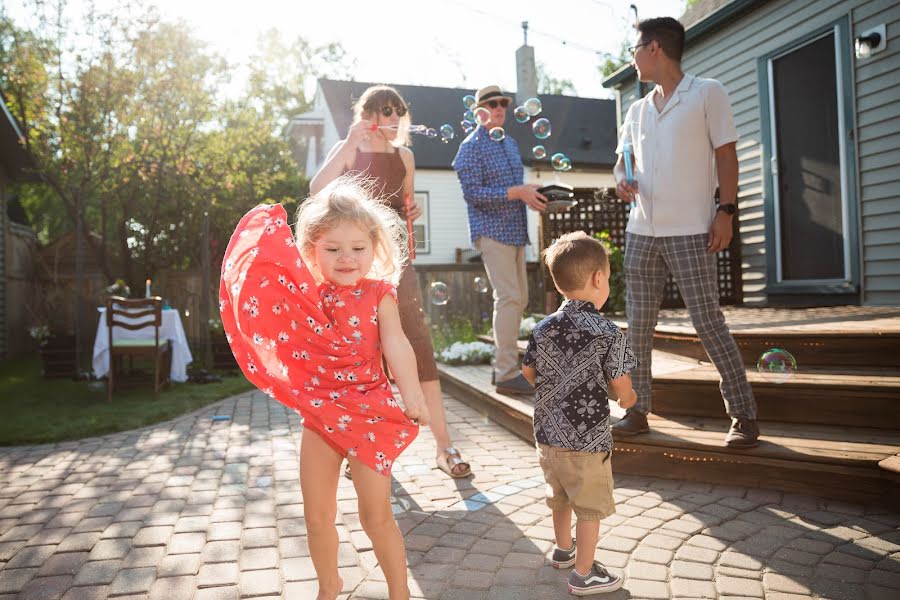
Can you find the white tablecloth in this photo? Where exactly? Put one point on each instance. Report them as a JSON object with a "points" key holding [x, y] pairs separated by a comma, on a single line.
{"points": [[171, 329]]}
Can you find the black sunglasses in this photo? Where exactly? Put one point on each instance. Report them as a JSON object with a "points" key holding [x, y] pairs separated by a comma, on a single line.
{"points": [[389, 110], [633, 49], [495, 103]]}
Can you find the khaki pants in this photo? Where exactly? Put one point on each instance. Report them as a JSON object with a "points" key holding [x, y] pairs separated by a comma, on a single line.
{"points": [[505, 266], [578, 481]]}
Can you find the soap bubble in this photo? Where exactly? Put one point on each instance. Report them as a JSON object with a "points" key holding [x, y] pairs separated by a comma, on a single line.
{"points": [[776, 365], [431, 132], [440, 293], [497, 134], [481, 285], [482, 115], [541, 128], [533, 106], [521, 114], [447, 132], [539, 152], [469, 101], [467, 126], [561, 162], [469, 116]]}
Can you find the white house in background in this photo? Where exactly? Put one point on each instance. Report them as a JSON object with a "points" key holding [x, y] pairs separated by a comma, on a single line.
{"points": [[582, 128]]}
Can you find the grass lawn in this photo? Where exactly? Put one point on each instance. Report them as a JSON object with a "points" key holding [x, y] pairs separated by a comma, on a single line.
{"points": [[37, 410]]}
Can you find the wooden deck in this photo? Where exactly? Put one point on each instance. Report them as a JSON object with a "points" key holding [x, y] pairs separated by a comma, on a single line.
{"points": [[828, 460], [832, 428]]}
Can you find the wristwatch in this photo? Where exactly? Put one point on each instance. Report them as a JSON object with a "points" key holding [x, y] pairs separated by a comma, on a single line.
{"points": [[728, 209]]}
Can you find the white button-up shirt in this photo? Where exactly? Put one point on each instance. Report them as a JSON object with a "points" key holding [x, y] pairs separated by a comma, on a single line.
{"points": [[674, 153]]}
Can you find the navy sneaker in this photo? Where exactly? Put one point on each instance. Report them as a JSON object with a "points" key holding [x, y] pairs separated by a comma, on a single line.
{"points": [[563, 559], [598, 581]]}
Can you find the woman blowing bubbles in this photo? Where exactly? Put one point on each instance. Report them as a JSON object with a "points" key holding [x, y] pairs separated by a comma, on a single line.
{"points": [[376, 146]]}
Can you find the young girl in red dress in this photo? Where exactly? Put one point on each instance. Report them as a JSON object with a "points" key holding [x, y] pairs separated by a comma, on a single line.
{"points": [[308, 319]]}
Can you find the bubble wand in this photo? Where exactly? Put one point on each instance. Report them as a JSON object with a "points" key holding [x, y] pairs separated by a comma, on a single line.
{"points": [[409, 228], [629, 172], [626, 155]]}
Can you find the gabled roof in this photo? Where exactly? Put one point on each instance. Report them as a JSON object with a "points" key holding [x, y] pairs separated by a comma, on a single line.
{"points": [[583, 128], [15, 159]]}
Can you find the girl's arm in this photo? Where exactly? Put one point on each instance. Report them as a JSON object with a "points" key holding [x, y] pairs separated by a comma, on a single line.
{"points": [[401, 359]]}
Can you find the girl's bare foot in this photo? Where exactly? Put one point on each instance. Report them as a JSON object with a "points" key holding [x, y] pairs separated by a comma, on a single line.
{"points": [[330, 594]]}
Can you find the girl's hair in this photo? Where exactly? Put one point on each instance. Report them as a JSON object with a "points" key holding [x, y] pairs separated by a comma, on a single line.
{"points": [[352, 199], [374, 99]]}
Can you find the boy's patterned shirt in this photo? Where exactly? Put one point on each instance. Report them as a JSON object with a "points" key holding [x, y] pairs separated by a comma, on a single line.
{"points": [[575, 352]]}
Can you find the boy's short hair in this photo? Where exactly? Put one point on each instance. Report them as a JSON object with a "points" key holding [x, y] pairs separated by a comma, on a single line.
{"points": [[573, 258], [668, 32]]}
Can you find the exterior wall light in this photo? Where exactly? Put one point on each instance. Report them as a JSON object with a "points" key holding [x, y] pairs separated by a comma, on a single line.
{"points": [[871, 41]]}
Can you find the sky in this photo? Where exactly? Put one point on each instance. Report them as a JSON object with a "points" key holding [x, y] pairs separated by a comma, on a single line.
{"points": [[449, 43]]}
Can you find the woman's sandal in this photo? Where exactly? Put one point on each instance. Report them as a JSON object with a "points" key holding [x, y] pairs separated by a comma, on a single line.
{"points": [[450, 462]]}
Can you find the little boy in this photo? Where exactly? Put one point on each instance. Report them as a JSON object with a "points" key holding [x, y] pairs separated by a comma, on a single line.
{"points": [[576, 359]]}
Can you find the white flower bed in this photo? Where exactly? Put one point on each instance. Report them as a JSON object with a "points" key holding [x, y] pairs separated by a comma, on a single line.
{"points": [[466, 353]]}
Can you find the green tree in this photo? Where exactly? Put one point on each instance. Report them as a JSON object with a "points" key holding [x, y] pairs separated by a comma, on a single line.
{"points": [[123, 115], [547, 84], [614, 62]]}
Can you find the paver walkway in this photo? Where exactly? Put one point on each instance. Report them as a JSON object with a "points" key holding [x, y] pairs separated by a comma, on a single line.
{"points": [[206, 509]]}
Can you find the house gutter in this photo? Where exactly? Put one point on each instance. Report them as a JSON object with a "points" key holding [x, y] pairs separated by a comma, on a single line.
{"points": [[692, 34]]}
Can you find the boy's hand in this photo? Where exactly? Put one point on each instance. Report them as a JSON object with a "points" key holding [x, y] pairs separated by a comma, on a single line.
{"points": [[628, 401]]}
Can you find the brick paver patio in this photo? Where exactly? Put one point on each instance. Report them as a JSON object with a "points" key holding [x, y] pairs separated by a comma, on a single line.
{"points": [[206, 509]]}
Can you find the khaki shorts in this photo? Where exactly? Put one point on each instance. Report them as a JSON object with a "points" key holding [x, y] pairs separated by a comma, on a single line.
{"points": [[580, 481]]}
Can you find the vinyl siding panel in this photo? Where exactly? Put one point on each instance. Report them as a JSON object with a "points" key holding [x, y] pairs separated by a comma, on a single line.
{"points": [[731, 55]]}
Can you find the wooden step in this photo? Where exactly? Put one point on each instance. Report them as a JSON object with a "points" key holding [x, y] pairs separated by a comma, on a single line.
{"points": [[811, 349], [831, 461], [858, 398]]}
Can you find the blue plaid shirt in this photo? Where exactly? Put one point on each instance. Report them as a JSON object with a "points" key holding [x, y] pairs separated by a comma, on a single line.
{"points": [[486, 169]]}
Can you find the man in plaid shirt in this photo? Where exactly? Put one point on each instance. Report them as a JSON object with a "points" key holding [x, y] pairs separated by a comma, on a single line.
{"points": [[491, 175]]}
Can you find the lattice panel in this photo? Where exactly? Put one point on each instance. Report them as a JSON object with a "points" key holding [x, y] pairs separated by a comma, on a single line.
{"points": [[599, 209]]}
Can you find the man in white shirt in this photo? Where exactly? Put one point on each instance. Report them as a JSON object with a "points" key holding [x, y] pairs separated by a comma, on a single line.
{"points": [[682, 138]]}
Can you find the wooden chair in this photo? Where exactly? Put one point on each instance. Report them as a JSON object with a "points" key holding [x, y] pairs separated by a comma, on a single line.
{"points": [[143, 313]]}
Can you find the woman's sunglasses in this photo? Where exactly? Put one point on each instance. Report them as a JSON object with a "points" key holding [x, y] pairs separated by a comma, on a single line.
{"points": [[495, 103], [389, 110]]}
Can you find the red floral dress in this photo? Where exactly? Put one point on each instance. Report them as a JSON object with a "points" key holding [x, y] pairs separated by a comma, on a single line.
{"points": [[314, 349]]}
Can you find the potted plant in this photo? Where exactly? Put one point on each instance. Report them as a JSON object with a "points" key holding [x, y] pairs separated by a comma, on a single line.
{"points": [[119, 288]]}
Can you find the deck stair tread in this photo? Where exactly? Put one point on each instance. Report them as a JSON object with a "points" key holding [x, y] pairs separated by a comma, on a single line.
{"points": [[814, 443]]}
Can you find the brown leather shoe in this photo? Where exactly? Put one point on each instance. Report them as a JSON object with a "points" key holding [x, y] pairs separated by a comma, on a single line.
{"points": [[744, 433], [631, 424]]}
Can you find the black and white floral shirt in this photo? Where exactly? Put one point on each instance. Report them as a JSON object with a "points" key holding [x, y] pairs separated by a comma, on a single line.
{"points": [[575, 352]]}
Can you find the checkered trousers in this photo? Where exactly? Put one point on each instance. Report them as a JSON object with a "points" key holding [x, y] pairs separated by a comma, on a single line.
{"points": [[648, 260]]}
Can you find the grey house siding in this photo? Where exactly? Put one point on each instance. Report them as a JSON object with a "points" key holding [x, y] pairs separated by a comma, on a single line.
{"points": [[731, 55]]}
